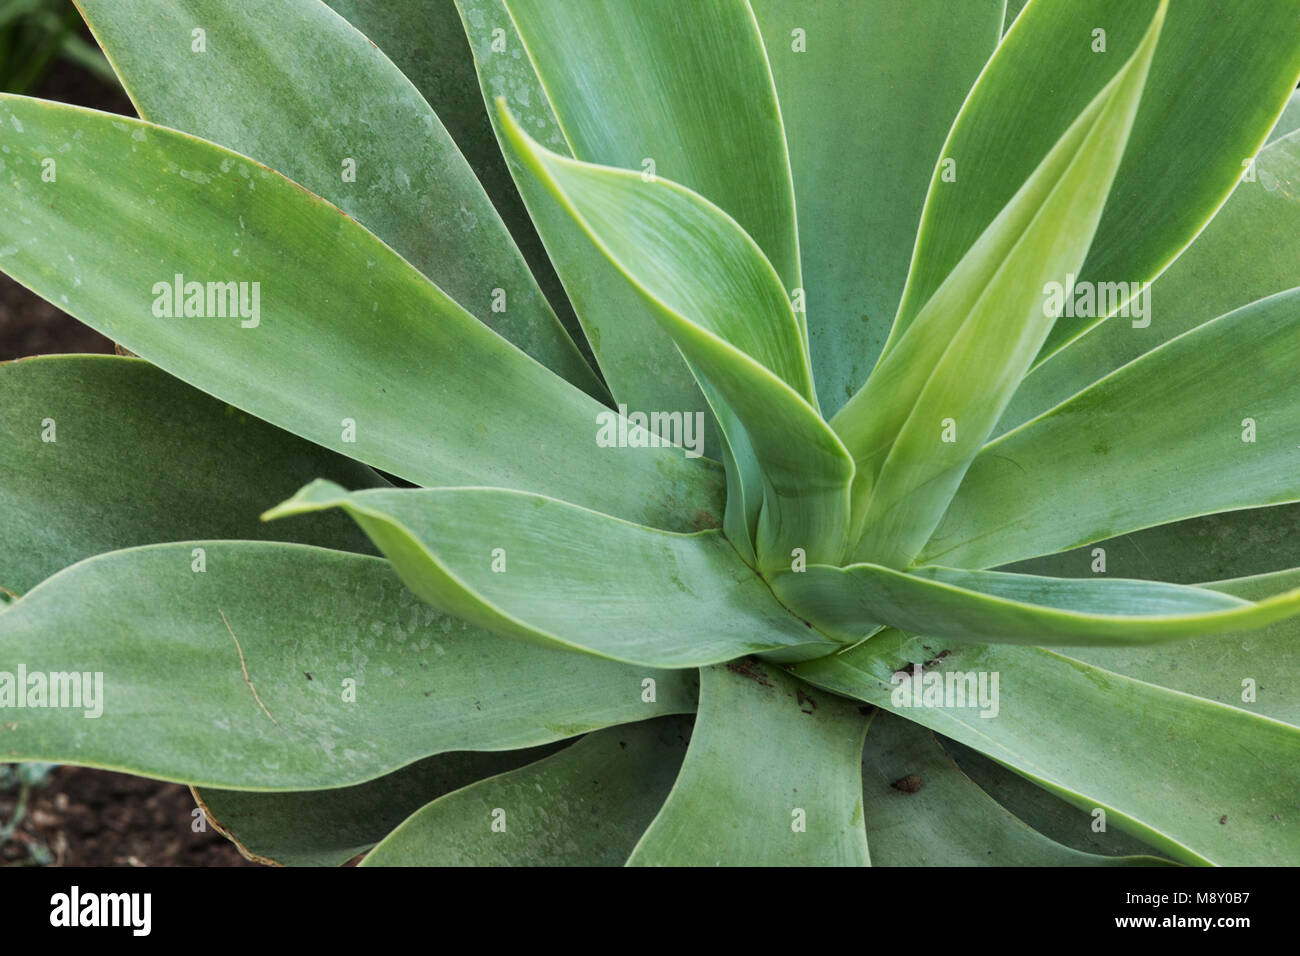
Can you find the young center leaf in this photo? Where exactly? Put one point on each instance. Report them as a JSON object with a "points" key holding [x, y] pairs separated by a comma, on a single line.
{"points": [[712, 289], [940, 388]]}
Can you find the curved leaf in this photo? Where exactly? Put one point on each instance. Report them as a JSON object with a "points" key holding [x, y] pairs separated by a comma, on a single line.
{"points": [[330, 111], [1200, 781], [1158, 440], [772, 777], [1257, 672], [283, 667], [657, 80], [103, 452], [584, 806], [996, 607], [868, 90], [352, 347], [525, 566], [331, 827]]}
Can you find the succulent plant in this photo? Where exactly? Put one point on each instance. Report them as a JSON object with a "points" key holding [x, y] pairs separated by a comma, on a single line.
{"points": [[682, 433]]}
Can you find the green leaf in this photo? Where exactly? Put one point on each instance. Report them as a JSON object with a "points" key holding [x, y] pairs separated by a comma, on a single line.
{"points": [[584, 806], [996, 607], [654, 80], [1041, 809], [1158, 440], [1163, 765], [524, 566], [732, 322], [868, 90], [1214, 547], [102, 452], [948, 821], [347, 332], [772, 777], [332, 113], [427, 42], [1289, 121], [940, 387], [682, 252], [1247, 252], [1256, 672], [331, 827], [1013, 9], [1185, 151], [329, 672], [640, 363]]}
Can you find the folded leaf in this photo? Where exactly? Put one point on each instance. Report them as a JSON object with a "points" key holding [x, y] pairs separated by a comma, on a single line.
{"points": [[525, 566], [656, 80], [643, 368], [584, 806], [261, 666], [340, 340], [940, 386], [103, 452], [921, 810], [715, 293], [331, 827], [772, 777], [1206, 422], [868, 90], [1162, 765], [996, 607], [331, 112]]}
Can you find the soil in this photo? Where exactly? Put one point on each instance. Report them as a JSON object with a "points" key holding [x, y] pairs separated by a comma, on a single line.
{"points": [[89, 817], [95, 818]]}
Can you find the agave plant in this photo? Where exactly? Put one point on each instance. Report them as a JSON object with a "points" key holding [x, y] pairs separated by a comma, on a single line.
{"points": [[795, 460]]}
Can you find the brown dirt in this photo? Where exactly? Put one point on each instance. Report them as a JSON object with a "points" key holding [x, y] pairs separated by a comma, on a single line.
{"points": [[745, 668], [95, 818]]}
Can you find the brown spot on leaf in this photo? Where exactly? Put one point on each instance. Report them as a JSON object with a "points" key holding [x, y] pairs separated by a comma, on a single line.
{"points": [[745, 668], [909, 784], [703, 520]]}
